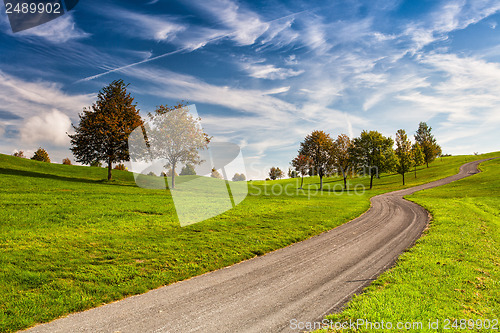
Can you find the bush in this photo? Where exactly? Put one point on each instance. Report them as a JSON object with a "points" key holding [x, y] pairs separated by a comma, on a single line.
{"points": [[66, 161], [120, 166], [41, 155], [216, 174], [96, 164], [239, 177], [188, 170], [151, 173], [19, 154]]}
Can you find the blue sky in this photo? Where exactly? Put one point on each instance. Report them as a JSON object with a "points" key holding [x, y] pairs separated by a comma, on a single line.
{"points": [[262, 74]]}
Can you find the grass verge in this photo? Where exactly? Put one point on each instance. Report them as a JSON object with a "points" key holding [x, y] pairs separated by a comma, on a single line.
{"points": [[452, 274], [70, 241]]}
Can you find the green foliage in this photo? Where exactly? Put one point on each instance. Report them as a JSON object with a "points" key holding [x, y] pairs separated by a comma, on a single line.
{"points": [[427, 142], [276, 173], [41, 155], [104, 129], [57, 259], [318, 147], [239, 177], [373, 152], [66, 161], [19, 154], [403, 153], [292, 173], [452, 272], [188, 170], [417, 156], [96, 164]]}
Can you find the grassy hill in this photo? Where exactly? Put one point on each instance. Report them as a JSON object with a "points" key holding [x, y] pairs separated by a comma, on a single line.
{"points": [[452, 274], [70, 240]]}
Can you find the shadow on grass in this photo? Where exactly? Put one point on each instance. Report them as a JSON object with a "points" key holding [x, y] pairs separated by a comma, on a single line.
{"points": [[34, 174]]}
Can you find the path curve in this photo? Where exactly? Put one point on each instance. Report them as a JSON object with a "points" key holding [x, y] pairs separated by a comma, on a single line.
{"points": [[304, 281]]}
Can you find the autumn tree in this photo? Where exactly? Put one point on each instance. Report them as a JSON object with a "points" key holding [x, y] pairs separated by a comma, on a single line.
{"points": [[417, 156], [216, 174], [66, 161], [174, 134], [427, 142], [105, 127], [302, 164], [341, 155], [318, 147], [403, 153], [276, 173], [41, 155], [239, 177], [19, 154], [188, 170], [292, 173], [373, 152]]}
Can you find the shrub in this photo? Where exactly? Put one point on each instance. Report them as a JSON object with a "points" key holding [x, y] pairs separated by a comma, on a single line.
{"points": [[120, 166], [19, 154], [239, 177], [66, 161], [151, 173], [216, 174], [41, 155], [96, 164], [188, 170]]}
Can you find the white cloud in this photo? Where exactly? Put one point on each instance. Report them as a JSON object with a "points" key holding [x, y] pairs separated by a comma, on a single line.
{"points": [[23, 98], [270, 71], [60, 30], [47, 128]]}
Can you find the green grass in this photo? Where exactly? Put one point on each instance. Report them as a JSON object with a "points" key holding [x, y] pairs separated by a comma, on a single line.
{"points": [[453, 271], [70, 240]]}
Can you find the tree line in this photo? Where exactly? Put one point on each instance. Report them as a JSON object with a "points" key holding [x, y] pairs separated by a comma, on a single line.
{"points": [[371, 153]]}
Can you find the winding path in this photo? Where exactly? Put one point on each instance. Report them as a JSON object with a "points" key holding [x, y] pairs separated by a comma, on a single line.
{"points": [[304, 281]]}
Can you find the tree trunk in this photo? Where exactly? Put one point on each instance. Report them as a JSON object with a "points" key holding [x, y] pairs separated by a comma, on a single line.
{"points": [[109, 169], [427, 163], [321, 182], [173, 175], [302, 182], [371, 180], [403, 178]]}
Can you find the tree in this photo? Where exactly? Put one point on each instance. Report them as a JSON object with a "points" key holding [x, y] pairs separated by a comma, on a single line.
{"points": [[318, 147], [19, 154], [41, 155], [175, 135], [292, 173], [302, 164], [239, 177], [216, 174], [373, 152], [120, 167], [96, 164], [66, 161], [104, 128], [341, 155], [417, 156], [276, 173], [188, 170], [427, 142], [403, 153]]}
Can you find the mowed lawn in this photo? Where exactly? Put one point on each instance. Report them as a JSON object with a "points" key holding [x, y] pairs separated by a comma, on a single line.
{"points": [[452, 274], [70, 240]]}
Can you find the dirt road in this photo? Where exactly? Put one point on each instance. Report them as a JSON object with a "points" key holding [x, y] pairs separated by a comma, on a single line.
{"points": [[300, 283]]}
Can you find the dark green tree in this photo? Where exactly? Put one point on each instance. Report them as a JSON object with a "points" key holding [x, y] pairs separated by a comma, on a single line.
{"points": [[104, 128], [373, 152], [188, 170], [403, 153], [318, 147], [276, 173], [417, 156], [41, 155], [427, 142]]}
